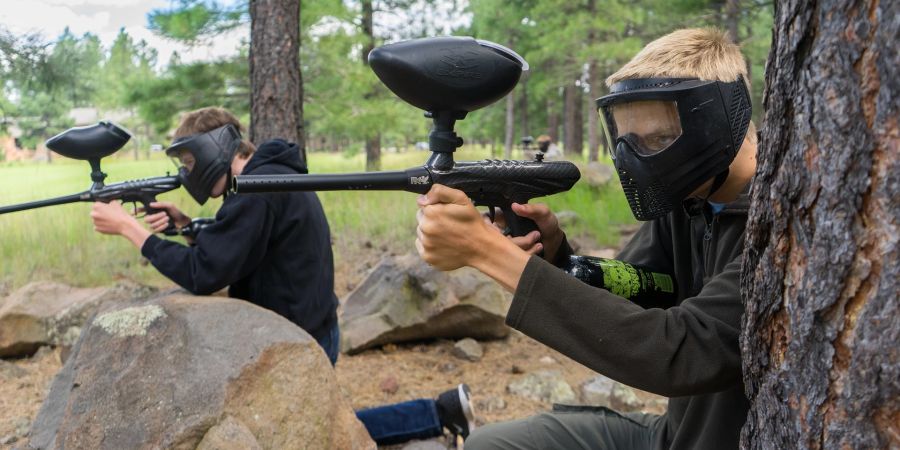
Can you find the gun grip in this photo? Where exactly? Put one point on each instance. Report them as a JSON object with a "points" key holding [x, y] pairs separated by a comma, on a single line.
{"points": [[518, 226]]}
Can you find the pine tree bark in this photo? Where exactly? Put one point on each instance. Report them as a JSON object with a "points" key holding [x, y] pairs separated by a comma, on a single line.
{"points": [[593, 119], [509, 140], [821, 271], [276, 85], [593, 116], [573, 128], [373, 143], [523, 110], [552, 118]]}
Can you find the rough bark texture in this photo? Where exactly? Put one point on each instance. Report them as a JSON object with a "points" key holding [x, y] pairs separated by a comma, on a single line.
{"points": [[573, 126], [276, 99], [821, 329], [552, 118], [593, 117], [509, 140], [373, 143], [593, 82]]}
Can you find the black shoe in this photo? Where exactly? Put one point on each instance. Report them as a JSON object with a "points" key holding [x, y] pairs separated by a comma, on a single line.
{"points": [[455, 411]]}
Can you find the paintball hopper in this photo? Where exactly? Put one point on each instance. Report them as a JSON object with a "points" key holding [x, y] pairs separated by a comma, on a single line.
{"points": [[448, 73], [90, 143], [95, 141], [448, 77]]}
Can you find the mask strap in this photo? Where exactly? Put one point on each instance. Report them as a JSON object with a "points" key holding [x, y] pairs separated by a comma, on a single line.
{"points": [[717, 183]]}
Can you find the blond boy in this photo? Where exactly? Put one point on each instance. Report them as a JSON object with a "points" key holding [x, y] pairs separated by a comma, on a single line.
{"points": [[676, 122]]}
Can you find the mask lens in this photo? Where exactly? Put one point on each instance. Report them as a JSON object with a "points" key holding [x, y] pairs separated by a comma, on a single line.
{"points": [[608, 132], [654, 124], [185, 159]]}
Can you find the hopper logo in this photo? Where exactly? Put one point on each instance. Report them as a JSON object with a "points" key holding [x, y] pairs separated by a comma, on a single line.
{"points": [[457, 64]]}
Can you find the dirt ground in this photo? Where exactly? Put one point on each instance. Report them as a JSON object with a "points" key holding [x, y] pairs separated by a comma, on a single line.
{"points": [[390, 374]]}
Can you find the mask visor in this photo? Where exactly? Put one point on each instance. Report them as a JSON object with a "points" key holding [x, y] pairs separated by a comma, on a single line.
{"points": [[651, 125]]}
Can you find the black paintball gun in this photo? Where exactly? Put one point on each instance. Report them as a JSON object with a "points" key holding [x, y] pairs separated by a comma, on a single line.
{"points": [[93, 143], [448, 77]]}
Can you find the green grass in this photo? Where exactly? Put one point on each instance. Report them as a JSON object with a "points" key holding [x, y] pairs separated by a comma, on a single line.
{"points": [[59, 243]]}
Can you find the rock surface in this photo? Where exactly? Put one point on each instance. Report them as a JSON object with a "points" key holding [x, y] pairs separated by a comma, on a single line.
{"points": [[46, 313], [596, 173], [405, 299], [468, 349], [544, 386], [603, 391], [187, 372]]}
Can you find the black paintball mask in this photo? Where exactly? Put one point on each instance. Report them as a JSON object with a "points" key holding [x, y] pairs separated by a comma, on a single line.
{"points": [[210, 158], [668, 136]]}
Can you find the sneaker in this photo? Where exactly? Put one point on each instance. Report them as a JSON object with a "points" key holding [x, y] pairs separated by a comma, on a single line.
{"points": [[455, 411]]}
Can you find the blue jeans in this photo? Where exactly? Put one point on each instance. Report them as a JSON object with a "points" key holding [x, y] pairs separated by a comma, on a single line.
{"points": [[396, 423]]}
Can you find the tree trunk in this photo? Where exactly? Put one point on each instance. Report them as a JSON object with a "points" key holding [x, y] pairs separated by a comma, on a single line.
{"points": [[593, 119], [373, 143], [821, 328], [579, 122], [573, 127], [510, 126], [552, 118], [523, 110], [732, 18], [276, 85]]}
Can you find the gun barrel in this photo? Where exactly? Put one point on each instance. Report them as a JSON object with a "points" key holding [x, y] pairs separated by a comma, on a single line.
{"points": [[84, 196], [372, 181]]}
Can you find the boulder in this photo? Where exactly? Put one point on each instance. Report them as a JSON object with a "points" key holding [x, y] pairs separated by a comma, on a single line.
{"points": [[603, 391], [543, 386], [596, 173], [405, 299], [186, 372], [46, 313]]}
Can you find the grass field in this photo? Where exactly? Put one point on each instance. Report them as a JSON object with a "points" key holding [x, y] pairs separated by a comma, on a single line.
{"points": [[58, 243]]}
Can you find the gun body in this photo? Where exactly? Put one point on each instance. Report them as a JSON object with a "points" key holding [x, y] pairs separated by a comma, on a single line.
{"points": [[143, 191], [491, 183]]}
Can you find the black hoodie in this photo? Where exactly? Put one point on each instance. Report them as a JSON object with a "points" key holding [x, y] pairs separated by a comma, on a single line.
{"points": [[273, 249], [688, 351]]}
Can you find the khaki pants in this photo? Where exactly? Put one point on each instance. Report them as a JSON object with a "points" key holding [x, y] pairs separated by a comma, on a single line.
{"points": [[572, 427]]}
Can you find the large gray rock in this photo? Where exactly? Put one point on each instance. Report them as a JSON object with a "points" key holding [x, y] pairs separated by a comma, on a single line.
{"points": [[182, 372], [547, 386], [603, 391], [405, 299], [46, 313], [596, 173]]}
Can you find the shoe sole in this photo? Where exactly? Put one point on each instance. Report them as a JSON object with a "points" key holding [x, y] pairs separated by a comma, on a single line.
{"points": [[465, 401]]}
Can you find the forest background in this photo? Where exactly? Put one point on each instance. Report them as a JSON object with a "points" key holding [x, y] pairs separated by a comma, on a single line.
{"points": [[350, 121]]}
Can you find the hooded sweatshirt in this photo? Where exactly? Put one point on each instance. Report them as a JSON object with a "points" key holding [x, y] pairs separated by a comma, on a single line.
{"points": [[271, 249], [687, 351]]}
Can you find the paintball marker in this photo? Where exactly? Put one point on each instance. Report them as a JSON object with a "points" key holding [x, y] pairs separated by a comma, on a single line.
{"points": [[448, 77], [92, 143]]}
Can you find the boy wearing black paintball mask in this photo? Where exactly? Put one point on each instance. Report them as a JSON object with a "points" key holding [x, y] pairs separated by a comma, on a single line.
{"points": [[273, 250], [293, 278], [677, 121]]}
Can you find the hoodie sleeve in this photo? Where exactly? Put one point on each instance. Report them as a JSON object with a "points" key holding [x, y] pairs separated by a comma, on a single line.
{"points": [[225, 252], [689, 349]]}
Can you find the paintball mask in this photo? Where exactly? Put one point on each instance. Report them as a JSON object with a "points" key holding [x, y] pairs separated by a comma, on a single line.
{"points": [[210, 158], [668, 136]]}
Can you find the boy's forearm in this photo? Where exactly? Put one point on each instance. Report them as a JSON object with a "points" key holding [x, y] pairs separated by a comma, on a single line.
{"points": [[503, 261], [135, 233]]}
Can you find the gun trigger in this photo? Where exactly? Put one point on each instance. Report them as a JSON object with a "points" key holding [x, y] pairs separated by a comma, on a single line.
{"points": [[491, 213]]}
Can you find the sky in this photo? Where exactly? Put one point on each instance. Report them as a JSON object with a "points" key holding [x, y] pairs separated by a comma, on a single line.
{"points": [[104, 18]]}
